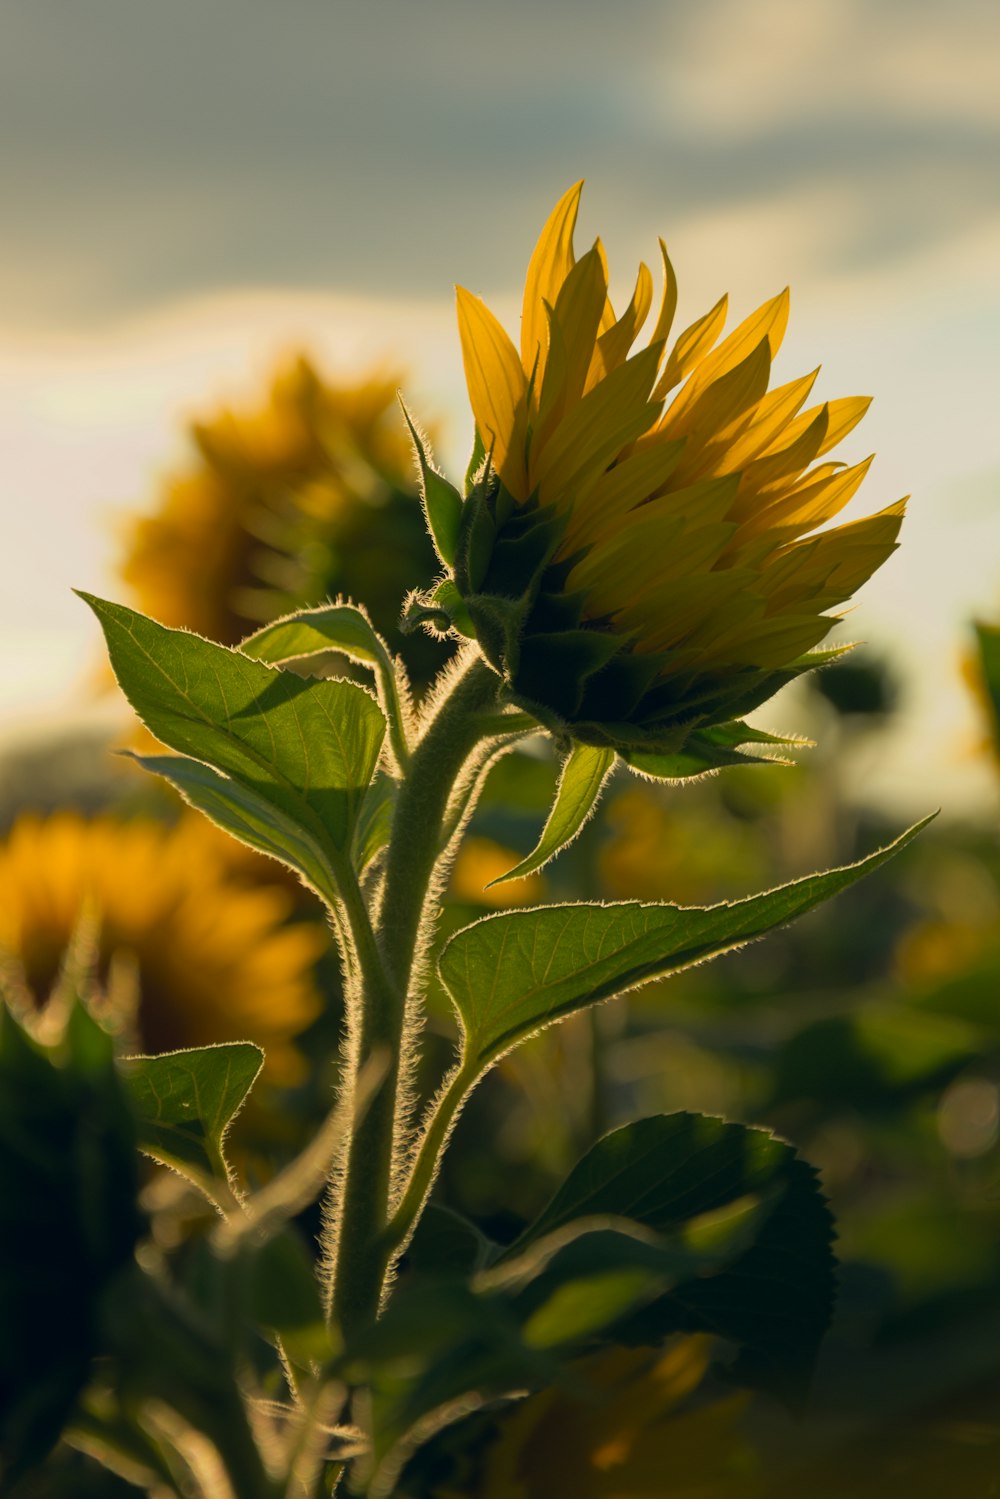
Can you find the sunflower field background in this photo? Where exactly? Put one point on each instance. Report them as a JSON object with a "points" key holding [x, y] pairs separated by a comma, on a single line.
{"points": [[869, 1032]]}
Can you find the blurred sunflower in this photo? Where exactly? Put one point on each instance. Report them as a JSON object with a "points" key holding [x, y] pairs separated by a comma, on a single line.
{"points": [[211, 959], [641, 1436], [480, 861], [306, 497], [640, 556]]}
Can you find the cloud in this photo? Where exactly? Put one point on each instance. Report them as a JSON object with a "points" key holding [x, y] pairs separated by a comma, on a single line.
{"points": [[156, 152]]}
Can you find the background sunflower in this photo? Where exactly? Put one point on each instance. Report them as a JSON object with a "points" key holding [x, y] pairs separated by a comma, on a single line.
{"points": [[185, 952]]}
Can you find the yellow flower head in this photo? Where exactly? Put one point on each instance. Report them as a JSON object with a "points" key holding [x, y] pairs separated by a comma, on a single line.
{"points": [[212, 959], [657, 514]]}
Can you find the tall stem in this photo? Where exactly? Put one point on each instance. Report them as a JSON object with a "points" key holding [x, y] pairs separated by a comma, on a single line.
{"points": [[389, 978]]}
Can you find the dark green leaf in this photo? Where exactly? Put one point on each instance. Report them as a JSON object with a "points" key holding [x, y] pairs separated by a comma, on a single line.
{"points": [[68, 1223], [511, 974], [374, 824], [447, 1243], [988, 641], [774, 1297], [185, 1101], [284, 1295]]}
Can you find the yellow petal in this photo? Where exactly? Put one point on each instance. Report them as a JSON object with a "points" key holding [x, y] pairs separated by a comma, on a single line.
{"points": [[811, 504], [768, 323], [608, 315], [781, 468], [692, 345], [826, 569], [776, 642], [630, 562], [720, 404], [843, 416], [765, 424], [654, 547], [617, 492], [683, 606], [668, 305], [548, 268], [613, 346], [497, 389], [575, 321], [594, 432]]}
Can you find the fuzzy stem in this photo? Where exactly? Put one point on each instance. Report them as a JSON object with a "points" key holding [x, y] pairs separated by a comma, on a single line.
{"points": [[427, 1158], [390, 982]]}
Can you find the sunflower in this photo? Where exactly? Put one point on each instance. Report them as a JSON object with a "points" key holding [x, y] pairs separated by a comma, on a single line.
{"points": [[641, 556], [306, 496], [212, 959], [637, 1432]]}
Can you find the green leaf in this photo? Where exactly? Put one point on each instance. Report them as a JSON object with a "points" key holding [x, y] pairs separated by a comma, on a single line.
{"points": [[476, 460], [442, 501], [336, 627], [185, 1101], [251, 818], [775, 1297], [581, 781], [374, 824], [511, 974], [711, 749], [306, 748]]}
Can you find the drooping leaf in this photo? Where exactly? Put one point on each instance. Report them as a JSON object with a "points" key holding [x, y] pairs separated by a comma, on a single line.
{"points": [[584, 772], [308, 748], [511, 974], [336, 627], [185, 1101], [775, 1296]]}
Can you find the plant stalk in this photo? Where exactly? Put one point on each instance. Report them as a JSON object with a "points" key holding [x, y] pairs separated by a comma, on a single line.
{"points": [[390, 980]]}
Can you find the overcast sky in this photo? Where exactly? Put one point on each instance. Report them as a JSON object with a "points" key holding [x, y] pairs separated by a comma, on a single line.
{"points": [[187, 187]]}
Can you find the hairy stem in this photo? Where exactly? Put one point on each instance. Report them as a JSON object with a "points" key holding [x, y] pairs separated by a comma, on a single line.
{"points": [[387, 1001], [427, 1158]]}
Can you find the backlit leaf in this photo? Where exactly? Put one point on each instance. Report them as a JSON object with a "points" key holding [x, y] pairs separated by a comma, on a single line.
{"points": [[185, 1101], [511, 974], [306, 748], [581, 780]]}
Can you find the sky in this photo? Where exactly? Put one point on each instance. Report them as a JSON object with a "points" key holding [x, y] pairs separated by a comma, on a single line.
{"points": [[191, 189]]}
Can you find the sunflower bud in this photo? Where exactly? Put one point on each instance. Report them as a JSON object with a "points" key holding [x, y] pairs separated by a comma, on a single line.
{"points": [[639, 555]]}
